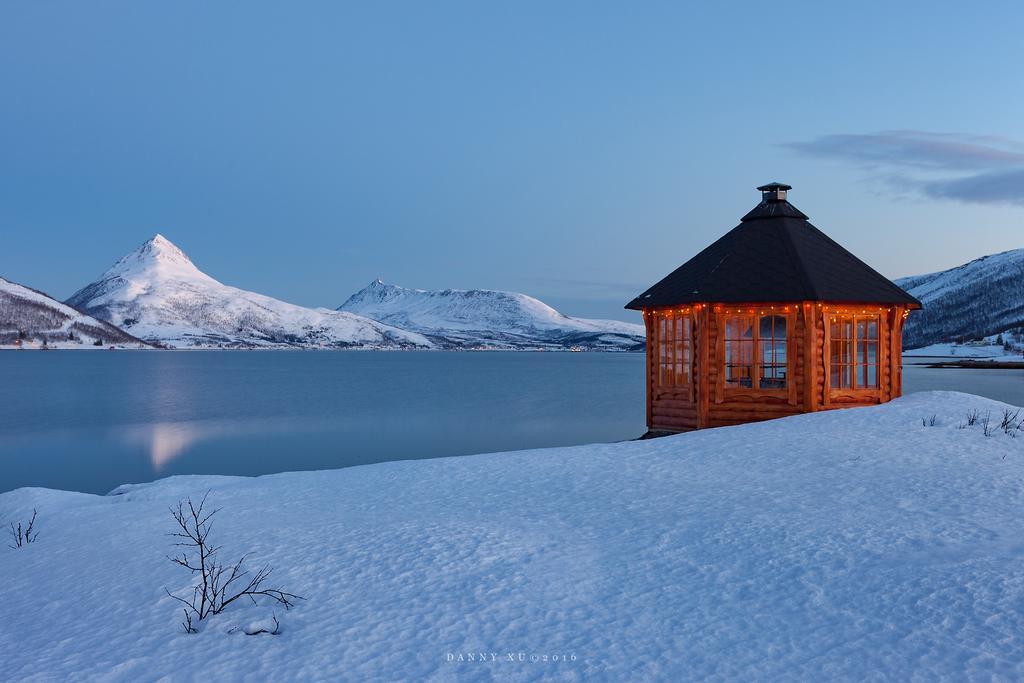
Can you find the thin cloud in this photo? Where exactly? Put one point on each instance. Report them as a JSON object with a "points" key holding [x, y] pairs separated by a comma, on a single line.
{"points": [[989, 169], [995, 187]]}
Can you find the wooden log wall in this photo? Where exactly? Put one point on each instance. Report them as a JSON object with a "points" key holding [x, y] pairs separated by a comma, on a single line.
{"points": [[709, 403]]}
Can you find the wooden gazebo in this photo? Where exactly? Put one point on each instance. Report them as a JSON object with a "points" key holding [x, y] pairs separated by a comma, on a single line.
{"points": [[773, 319]]}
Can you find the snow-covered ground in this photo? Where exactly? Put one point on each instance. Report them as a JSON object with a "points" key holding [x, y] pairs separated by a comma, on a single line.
{"points": [[989, 351], [844, 545]]}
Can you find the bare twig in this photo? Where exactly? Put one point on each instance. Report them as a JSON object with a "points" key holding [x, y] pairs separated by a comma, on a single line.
{"points": [[986, 424], [22, 536], [1010, 421], [274, 631], [219, 584]]}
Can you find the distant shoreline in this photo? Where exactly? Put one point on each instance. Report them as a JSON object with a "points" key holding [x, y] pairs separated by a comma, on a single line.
{"points": [[307, 350], [973, 363]]}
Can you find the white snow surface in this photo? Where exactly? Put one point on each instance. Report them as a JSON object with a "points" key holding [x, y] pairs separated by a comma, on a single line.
{"points": [[843, 545], [25, 309], [483, 316], [989, 352], [933, 286], [158, 294]]}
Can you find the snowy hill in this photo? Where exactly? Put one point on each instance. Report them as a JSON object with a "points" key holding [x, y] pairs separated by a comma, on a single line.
{"points": [[486, 318], [977, 299], [158, 294], [28, 318], [740, 553]]}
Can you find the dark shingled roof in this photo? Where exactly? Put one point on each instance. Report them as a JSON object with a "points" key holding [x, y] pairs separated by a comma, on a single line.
{"points": [[774, 254]]}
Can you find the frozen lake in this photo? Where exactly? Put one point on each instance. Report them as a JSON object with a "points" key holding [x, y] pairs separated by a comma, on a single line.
{"points": [[90, 420]]}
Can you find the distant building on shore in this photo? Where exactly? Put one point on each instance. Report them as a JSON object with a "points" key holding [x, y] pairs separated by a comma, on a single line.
{"points": [[773, 319]]}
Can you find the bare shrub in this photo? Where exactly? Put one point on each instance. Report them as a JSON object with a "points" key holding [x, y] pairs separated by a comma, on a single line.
{"points": [[986, 424], [1010, 421], [219, 584], [972, 417], [21, 536], [928, 422]]}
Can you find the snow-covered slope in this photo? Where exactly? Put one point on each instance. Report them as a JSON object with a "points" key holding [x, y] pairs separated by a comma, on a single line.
{"points": [[487, 318], [29, 318], [741, 553], [158, 294], [977, 299]]}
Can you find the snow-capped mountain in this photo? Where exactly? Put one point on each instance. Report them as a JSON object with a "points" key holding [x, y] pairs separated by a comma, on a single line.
{"points": [[30, 318], [454, 318], [980, 298], [159, 295]]}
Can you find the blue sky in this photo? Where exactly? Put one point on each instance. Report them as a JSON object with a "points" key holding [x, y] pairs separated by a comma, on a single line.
{"points": [[575, 151]]}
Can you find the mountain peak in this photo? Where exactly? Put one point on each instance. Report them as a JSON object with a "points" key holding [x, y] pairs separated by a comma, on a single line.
{"points": [[156, 253], [160, 248]]}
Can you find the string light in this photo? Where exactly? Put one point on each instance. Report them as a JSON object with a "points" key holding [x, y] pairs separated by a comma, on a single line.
{"points": [[718, 308]]}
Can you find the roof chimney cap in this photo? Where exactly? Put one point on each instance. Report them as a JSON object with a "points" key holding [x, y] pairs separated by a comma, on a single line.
{"points": [[774, 192]]}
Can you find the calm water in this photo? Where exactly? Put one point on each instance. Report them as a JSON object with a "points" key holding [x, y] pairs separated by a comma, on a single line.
{"points": [[90, 420]]}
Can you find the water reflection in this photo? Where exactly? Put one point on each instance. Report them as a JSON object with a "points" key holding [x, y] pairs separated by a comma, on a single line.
{"points": [[166, 441]]}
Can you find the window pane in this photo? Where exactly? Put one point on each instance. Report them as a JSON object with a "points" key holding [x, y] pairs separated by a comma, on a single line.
{"points": [[773, 377], [773, 327], [739, 328], [872, 376], [862, 373], [673, 350], [873, 329], [739, 351], [739, 359], [837, 352]]}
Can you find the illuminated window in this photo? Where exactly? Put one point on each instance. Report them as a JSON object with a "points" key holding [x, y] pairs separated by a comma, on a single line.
{"points": [[739, 351], [765, 369], [854, 352], [772, 356], [674, 349]]}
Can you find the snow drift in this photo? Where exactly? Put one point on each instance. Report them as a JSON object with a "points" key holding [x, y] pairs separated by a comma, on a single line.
{"points": [[850, 544], [487, 318], [158, 294]]}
